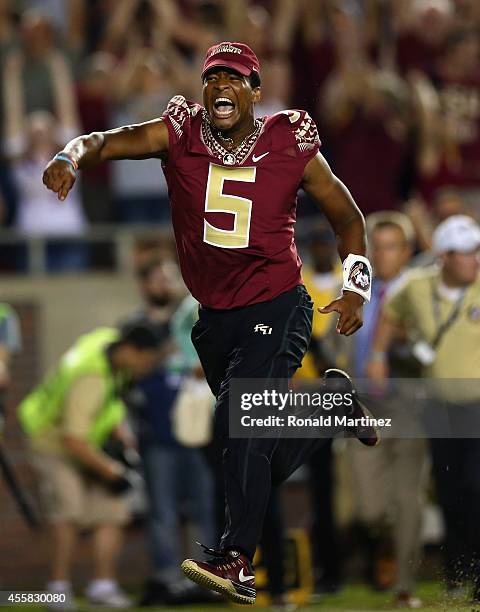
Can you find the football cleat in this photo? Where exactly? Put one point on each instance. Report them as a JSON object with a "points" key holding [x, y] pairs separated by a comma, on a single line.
{"points": [[229, 573], [364, 431]]}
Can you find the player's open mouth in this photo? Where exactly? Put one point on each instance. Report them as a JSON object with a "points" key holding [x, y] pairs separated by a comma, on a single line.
{"points": [[223, 108]]}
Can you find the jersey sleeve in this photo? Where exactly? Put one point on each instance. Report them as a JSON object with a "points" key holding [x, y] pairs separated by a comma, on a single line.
{"points": [[297, 128], [306, 133], [178, 117]]}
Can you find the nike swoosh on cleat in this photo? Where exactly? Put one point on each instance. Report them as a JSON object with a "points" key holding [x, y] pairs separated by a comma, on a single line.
{"points": [[256, 159], [243, 578]]}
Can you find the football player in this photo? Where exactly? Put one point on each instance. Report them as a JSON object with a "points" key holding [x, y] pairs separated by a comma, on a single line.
{"points": [[233, 181]]}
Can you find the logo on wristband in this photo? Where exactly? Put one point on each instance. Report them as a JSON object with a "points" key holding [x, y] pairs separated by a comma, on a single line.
{"points": [[359, 276]]}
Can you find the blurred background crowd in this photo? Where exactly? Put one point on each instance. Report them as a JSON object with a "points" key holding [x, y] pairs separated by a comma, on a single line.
{"points": [[394, 87], [399, 78]]}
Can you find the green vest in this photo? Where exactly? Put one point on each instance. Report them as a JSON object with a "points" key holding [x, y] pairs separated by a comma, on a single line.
{"points": [[43, 407], [5, 311]]}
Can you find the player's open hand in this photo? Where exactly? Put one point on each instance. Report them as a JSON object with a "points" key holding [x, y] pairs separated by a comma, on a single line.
{"points": [[59, 176], [349, 307]]}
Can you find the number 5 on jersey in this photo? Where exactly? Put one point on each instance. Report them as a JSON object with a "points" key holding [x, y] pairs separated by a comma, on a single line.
{"points": [[240, 208]]}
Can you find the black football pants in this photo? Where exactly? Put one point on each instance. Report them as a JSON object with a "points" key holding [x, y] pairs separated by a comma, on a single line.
{"points": [[229, 347]]}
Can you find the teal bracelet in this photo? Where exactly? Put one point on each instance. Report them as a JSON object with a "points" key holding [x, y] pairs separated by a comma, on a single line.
{"points": [[63, 157]]}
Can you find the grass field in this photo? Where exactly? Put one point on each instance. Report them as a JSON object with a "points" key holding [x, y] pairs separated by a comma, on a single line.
{"points": [[352, 599]]}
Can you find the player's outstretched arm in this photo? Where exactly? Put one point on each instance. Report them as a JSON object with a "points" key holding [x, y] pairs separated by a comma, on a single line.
{"points": [[140, 141], [334, 199]]}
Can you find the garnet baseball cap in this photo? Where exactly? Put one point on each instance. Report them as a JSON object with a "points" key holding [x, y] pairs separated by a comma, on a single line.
{"points": [[457, 233], [234, 55]]}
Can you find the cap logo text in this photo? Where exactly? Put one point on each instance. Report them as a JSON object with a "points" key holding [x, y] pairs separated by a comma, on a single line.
{"points": [[226, 48]]}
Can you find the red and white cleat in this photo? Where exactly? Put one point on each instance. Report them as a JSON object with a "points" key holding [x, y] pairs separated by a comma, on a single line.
{"points": [[229, 573]]}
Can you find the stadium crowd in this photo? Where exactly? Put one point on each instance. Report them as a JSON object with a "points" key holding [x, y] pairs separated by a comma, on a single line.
{"points": [[399, 78], [394, 87]]}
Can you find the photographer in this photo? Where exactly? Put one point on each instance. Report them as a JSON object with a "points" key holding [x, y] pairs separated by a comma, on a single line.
{"points": [[439, 309], [69, 418]]}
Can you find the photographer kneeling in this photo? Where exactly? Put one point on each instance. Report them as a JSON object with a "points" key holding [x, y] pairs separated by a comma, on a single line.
{"points": [[69, 417]]}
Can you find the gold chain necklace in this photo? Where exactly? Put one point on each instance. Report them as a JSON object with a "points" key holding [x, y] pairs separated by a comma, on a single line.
{"points": [[229, 156]]}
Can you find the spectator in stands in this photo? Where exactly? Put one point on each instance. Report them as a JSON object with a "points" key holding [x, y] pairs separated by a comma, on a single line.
{"points": [[252, 24], [277, 85], [39, 111], [448, 112], [68, 418], [67, 18], [397, 466], [367, 113], [168, 24], [467, 13], [143, 85], [420, 28], [10, 343], [94, 97], [457, 79], [37, 76], [447, 202], [133, 24], [178, 480], [39, 213], [439, 309], [8, 31], [303, 32]]}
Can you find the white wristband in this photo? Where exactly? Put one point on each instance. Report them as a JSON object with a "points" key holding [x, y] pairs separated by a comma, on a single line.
{"points": [[357, 275]]}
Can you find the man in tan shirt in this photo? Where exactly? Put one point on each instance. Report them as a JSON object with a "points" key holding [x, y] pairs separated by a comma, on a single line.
{"points": [[439, 309]]}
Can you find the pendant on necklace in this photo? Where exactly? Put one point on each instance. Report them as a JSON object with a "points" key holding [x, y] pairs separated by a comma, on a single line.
{"points": [[229, 159]]}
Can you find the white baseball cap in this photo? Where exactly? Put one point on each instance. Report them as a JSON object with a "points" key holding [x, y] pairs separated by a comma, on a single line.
{"points": [[457, 233]]}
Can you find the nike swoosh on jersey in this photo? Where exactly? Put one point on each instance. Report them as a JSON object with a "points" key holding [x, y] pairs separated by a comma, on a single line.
{"points": [[243, 578], [256, 159]]}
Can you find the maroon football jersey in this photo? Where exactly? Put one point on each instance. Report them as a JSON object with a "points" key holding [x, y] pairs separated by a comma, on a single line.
{"points": [[233, 214]]}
